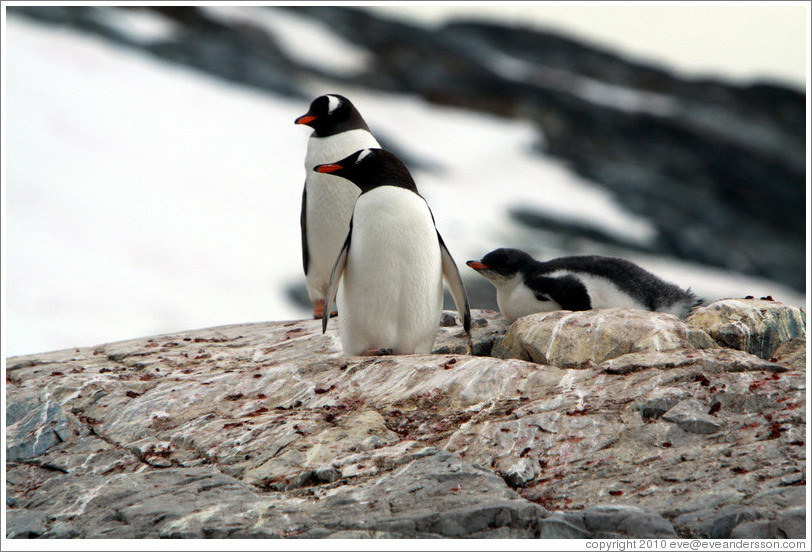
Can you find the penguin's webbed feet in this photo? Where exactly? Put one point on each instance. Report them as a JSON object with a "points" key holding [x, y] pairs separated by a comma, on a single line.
{"points": [[318, 310]]}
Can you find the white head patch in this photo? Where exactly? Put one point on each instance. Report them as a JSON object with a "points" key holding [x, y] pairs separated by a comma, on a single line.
{"points": [[332, 103], [363, 154]]}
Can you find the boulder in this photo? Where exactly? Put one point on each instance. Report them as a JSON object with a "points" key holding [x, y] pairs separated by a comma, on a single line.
{"points": [[788, 524], [585, 338], [692, 416], [791, 354], [487, 329], [755, 326]]}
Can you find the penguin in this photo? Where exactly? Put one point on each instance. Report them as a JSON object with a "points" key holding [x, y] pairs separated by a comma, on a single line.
{"points": [[327, 201], [525, 285], [392, 263]]}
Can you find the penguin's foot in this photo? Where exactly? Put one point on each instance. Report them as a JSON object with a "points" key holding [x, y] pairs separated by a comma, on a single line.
{"points": [[318, 308], [378, 352]]}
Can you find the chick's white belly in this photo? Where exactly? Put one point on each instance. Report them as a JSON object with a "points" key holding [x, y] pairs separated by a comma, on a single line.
{"points": [[518, 300], [391, 294]]}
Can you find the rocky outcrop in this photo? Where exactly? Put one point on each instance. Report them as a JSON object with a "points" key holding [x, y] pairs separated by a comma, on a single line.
{"points": [[266, 430], [758, 326], [573, 339]]}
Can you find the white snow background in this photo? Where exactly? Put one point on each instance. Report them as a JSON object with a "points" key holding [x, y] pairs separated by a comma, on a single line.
{"points": [[143, 198]]}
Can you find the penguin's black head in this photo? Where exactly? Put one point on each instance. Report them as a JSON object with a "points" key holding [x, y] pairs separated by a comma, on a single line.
{"points": [[502, 263], [332, 114], [371, 168]]}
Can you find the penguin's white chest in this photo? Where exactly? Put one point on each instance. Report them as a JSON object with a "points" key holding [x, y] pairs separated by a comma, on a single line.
{"points": [[330, 201], [516, 300], [391, 294]]}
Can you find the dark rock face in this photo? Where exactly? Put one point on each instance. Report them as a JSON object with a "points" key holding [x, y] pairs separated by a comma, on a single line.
{"points": [[265, 430], [718, 169], [694, 157]]}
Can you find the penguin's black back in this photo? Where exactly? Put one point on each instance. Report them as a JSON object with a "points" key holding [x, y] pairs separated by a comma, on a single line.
{"points": [[648, 289]]}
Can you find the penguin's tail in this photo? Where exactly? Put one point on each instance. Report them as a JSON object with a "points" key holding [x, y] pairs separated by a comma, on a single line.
{"points": [[692, 302]]}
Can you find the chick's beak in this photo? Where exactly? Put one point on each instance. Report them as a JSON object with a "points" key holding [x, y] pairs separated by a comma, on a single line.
{"points": [[476, 265]]}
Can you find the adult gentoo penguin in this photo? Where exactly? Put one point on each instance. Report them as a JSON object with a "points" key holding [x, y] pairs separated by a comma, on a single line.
{"points": [[327, 201], [524, 285], [392, 262]]}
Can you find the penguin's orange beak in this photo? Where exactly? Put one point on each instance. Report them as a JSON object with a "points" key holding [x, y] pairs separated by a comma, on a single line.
{"points": [[327, 168], [304, 119], [476, 265]]}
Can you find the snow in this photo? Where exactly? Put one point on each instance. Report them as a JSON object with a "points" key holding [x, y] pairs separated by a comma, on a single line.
{"points": [[141, 198], [145, 198]]}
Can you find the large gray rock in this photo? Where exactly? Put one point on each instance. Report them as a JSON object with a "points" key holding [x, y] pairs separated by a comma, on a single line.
{"points": [[34, 427], [788, 524], [756, 326], [437, 495], [584, 338], [692, 416], [616, 520], [716, 524], [266, 430], [487, 329], [791, 354]]}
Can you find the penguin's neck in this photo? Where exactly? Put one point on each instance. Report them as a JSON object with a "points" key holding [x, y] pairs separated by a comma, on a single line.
{"points": [[329, 149]]}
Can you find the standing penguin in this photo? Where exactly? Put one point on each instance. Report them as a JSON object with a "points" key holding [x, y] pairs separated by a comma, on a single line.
{"points": [[392, 262], [338, 130], [524, 285]]}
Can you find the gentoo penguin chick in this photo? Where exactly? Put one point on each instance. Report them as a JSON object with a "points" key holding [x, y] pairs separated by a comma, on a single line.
{"points": [[338, 131], [392, 262], [524, 285]]}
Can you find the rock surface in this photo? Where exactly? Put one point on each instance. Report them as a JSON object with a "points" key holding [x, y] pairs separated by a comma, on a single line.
{"points": [[757, 326], [575, 339], [266, 430]]}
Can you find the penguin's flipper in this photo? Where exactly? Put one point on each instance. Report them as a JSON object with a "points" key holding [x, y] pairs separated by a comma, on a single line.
{"points": [[452, 276], [335, 277], [303, 224]]}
